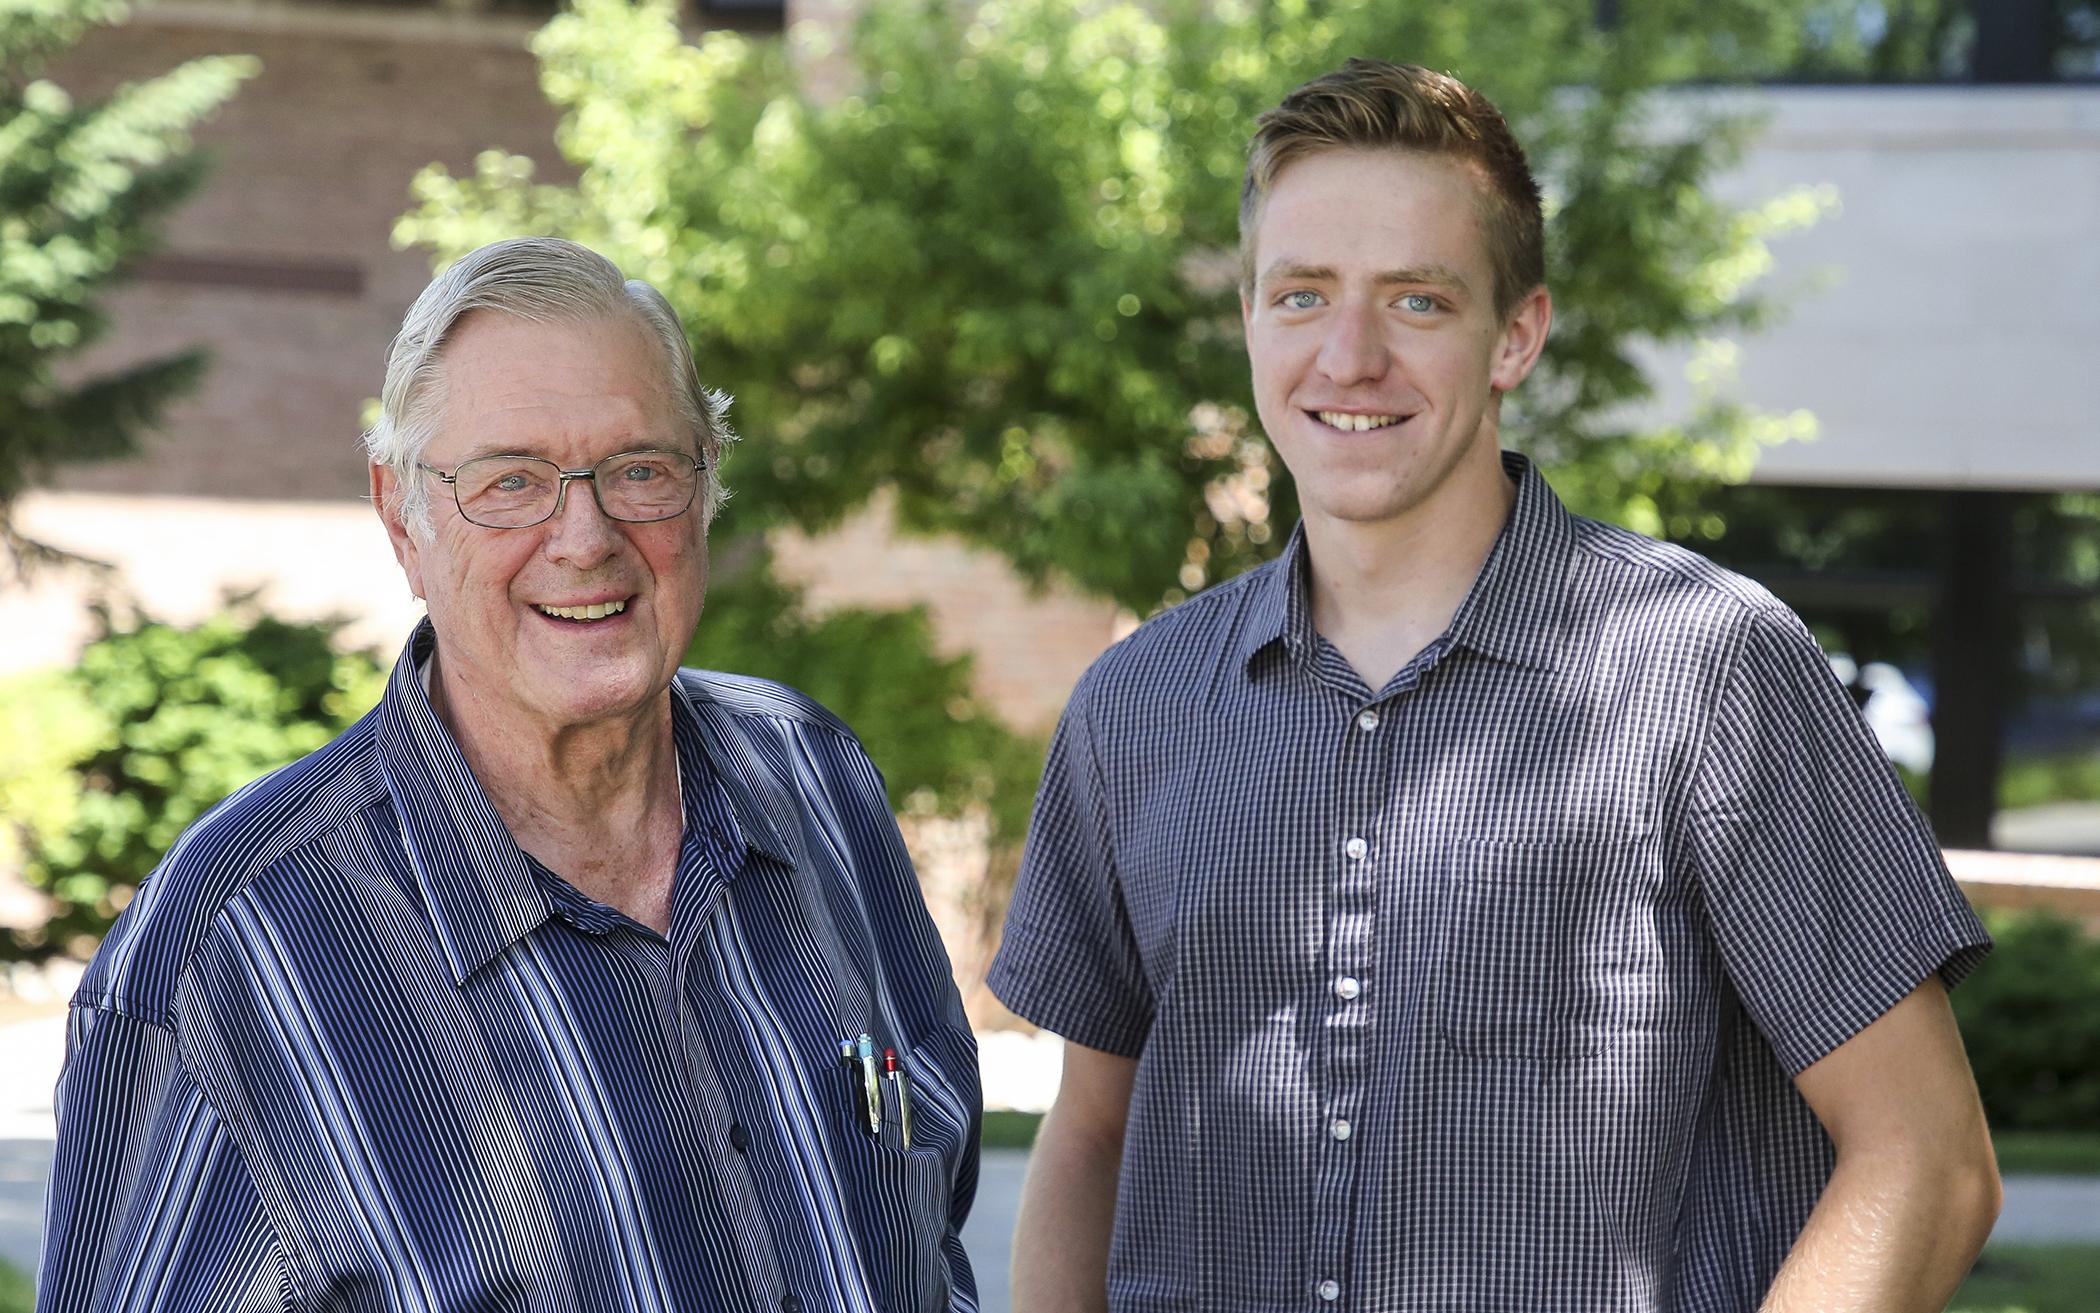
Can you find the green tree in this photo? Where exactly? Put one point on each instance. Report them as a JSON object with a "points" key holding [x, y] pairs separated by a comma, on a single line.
{"points": [[984, 255], [82, 186]]}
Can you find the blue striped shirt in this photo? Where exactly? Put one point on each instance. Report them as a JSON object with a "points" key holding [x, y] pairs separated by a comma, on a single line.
{"points": [[351, 1048]]}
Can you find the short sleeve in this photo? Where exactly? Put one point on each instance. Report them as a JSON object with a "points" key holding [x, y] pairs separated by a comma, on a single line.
{"points": [[1068, 960], [1824, 885], [150, 1205]]}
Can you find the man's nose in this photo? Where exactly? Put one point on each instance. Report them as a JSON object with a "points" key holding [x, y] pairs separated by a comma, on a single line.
{"points": [[578, 532], [1354, 350]]}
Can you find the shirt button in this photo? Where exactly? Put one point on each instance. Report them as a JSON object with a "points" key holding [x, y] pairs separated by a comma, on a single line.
{"points": [[791, 1303], [1347, 988], [1356, 848], [1340, 1129], [1330, 1290], [739, 1138], [1367, 721]]}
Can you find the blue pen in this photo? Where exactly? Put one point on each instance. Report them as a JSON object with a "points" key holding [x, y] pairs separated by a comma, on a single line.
{"points": [[871, 1083]]}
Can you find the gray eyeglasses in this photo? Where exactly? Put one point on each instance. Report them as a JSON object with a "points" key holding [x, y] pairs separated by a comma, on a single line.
{"points": [[517, 492]]}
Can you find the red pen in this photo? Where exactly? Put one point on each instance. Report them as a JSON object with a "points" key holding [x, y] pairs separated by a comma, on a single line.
{"points": [[903, 1086]]}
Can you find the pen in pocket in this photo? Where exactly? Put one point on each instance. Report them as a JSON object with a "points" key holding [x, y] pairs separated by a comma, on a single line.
{"points": [[871, 1084], [849, 1062], [902, 1083]]}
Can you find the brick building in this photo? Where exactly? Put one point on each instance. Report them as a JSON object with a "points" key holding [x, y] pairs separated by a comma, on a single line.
{"points": [[282, 267]]}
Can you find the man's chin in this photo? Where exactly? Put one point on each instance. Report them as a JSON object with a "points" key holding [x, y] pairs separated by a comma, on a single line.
{"points": [[581, 692]]}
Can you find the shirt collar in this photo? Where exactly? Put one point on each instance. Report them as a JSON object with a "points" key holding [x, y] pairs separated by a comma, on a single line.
{"points": [[1512, 611], [477, 884], [1278, 607], [716, 754]]}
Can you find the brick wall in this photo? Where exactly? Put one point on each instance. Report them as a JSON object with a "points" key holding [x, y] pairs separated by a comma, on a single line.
{"points": [[282, 267]]}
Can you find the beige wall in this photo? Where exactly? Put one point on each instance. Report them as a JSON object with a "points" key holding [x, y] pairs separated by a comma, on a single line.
{"points": [[1944, 321]]}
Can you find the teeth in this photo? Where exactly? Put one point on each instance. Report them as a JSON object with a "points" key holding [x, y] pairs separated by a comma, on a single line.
{"points": [[1349, 423], [595, 611]]}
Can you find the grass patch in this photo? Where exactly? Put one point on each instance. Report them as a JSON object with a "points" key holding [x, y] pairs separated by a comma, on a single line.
{"points": [[2032, 781], [1010, 1130], [17, 1289], [2031, 1279], [2052, 1153]]}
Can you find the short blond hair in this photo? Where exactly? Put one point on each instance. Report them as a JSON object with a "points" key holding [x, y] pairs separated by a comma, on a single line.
{"points": [[1368, 104]]}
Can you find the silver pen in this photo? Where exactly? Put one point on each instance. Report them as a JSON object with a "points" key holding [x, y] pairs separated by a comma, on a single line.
{"points": [[871, 1083]]}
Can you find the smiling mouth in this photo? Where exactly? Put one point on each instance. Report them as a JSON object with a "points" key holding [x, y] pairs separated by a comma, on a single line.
{"points": [[583, 614], [1353, 423]]}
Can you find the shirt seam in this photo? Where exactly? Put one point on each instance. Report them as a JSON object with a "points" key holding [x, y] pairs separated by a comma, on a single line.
{"points": [[1694, 812], [108, 1004], [698, 690]]}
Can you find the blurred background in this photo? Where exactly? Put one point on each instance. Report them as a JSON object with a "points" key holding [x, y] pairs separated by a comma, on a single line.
{"points": [[1827, 284]]}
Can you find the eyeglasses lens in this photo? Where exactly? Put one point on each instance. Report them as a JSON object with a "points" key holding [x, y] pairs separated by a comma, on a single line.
{"points": [[515, 492], [645, 485]]}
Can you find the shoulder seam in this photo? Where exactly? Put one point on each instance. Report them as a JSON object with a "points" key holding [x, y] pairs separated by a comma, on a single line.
{"points": [[1158, 627], [243, 878], [1584, 543], [812, 714], [104, 1001]]}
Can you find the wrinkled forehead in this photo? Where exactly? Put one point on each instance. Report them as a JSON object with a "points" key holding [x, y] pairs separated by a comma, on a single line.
{"points": [[515, 384]]}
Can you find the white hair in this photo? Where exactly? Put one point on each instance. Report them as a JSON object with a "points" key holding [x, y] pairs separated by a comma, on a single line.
{"points": [[544, 280]]}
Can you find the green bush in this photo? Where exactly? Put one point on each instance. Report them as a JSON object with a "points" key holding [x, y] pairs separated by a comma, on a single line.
{"points": [[2032, 781], [156, 724], [939, 747], [2030, 1017]]}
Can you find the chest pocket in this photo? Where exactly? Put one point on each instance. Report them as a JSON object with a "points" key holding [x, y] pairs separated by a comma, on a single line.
{"points": [[1547, 945], [898, 1195]]}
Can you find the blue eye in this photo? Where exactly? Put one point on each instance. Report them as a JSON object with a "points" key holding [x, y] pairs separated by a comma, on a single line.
{"points": [[511, 483], [1418, 302], [639, 473], [1300, 300]]}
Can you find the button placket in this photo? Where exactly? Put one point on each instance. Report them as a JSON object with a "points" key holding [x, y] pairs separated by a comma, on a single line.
{"points": [[1354, 896]]}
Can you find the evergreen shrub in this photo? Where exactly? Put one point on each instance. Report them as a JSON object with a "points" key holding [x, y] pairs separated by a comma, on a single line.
{"points": [[2030, 1017]]}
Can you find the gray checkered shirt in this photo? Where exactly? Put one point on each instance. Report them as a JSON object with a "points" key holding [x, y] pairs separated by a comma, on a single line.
{"points": [[1482, 991]]}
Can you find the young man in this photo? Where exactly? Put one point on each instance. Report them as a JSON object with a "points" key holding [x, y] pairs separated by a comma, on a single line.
{"points": [[1478, 908]]}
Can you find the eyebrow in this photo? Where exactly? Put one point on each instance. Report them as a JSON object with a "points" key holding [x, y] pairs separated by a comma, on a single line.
{"points": [[1432, 275], [480, 449]]}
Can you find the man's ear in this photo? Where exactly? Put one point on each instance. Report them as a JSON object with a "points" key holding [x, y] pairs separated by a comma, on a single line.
{"points": [[1523, 338], [386, 499]]}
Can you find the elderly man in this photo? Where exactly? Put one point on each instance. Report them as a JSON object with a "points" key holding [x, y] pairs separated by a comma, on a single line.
{"points": [[1479, 908], [565, 979]]}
